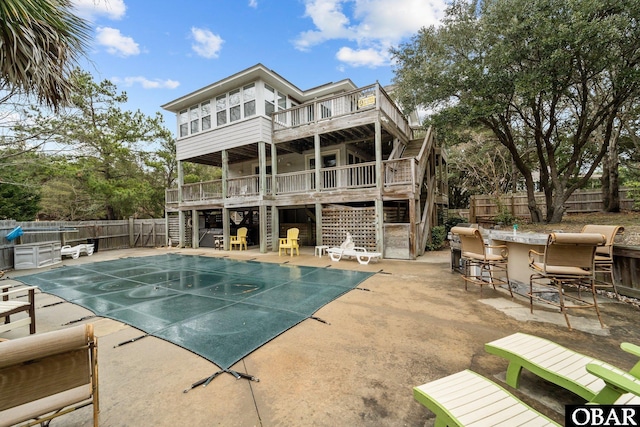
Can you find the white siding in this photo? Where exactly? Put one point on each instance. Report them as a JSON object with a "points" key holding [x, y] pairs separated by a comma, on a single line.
{"points": [[246, 132]]}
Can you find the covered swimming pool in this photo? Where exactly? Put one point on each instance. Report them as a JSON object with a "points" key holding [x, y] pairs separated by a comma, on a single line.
{"points": [[218, 308]]}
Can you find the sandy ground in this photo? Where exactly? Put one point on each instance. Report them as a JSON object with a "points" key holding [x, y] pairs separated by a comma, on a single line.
{"points": [[410, 323]]}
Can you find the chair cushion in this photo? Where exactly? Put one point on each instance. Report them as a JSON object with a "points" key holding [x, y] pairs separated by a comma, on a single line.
{"points": [[480, 257], [560, 270]]}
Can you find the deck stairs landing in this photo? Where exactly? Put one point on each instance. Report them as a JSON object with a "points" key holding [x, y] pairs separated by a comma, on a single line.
{"points": [[423, 150]]}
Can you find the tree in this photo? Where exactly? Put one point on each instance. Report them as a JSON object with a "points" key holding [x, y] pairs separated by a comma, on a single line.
{"points": [[546, 77], [107, 168], [19, 185], [40, 42]]}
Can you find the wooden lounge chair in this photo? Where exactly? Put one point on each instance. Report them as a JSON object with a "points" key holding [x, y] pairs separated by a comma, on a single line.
{"points": [[568, 259], [10, 306], [48, 375], [290, 242], [466, 397], [554, 363], [483, 264], [604, 253], [240, 239]]}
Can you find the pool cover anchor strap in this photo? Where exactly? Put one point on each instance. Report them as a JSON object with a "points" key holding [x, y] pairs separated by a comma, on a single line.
{"points": [[319, 319], [205, 381], [131, 340], [79, 320]]}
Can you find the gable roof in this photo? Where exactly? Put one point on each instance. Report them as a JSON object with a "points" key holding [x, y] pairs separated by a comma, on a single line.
{"points": [[251, 74]]}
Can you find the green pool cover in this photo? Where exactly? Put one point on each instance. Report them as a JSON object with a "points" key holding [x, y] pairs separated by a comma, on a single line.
{"points": [[218, 308]]}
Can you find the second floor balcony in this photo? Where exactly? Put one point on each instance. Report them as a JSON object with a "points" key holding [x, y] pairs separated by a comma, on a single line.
{"points": [[395, 174]]}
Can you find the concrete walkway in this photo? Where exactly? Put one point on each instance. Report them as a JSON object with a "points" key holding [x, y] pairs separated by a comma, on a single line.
{"points": [[410, 323]]}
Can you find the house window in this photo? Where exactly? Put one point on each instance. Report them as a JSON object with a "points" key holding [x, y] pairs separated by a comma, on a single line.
{"points": [[221, 110], [269, 100], [268, 169], [249, 100], [183, 122], [194, 118], [329, 160], [205, 111], [234, 105]]}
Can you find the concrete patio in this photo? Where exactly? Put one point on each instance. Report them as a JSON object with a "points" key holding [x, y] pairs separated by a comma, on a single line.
{"points": [[410, 323]]}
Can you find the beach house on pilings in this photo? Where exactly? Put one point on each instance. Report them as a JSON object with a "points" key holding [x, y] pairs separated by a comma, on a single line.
{"points": [[328, 160]]}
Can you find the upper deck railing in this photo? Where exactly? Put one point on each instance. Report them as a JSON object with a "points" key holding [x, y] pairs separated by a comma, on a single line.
{"points": [[364, 99]]}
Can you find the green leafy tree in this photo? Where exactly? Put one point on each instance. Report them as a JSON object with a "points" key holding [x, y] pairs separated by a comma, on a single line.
{"points": [[108, 161], [546, 77], [19, 185]]}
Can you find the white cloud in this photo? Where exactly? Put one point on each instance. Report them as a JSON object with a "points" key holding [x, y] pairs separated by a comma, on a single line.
{"points": [[90, 9], [362, 57], [370, 26], [146, 83], [206, 44], [115, 42], [253, 3]]}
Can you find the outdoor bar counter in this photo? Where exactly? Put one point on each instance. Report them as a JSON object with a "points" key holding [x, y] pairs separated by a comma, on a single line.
{"points": [[518, 245]]}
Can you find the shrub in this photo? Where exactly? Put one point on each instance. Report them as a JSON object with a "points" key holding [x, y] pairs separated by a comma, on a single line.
{"points": [[438, 236], [505, 217], [452, 222]]}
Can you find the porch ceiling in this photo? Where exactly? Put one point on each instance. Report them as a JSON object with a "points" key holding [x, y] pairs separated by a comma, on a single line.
{"points": [[363, 136]]}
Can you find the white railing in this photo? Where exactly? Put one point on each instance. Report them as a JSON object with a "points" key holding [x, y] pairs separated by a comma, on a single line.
{"points": [[243, 186], [399, 171], [295, 182], [327, 108], [171, 196], [361, 175], [200, 191]]}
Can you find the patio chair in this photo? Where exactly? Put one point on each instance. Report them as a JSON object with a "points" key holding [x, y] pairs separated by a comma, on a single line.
{"points": [[10, 306], [568, 259], [604, 253], [554, 363], [47, 375], [481, 261], [240, 239], [290, 242]]}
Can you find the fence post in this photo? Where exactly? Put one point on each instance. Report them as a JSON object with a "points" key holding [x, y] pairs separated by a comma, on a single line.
{"points": [[472, 210], [132, 241]]}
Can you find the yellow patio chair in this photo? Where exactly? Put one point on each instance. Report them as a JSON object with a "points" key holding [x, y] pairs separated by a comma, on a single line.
{"points": [[239, 239], [289, 242], [604, 253], [568, 259], [482, 262]]}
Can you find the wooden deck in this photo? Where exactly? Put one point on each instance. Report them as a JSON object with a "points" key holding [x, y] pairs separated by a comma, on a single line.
{"points": [[399, 178]]}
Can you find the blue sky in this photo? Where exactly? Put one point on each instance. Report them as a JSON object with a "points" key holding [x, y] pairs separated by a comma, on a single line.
{"points": [[159, 50]]}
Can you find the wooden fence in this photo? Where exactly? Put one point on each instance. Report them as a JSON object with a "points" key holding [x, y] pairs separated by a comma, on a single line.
{"points": [[105, 235], [484, 206]]}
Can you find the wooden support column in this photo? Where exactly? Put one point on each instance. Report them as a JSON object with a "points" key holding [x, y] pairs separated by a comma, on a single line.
{"points": [[318, 159], [132, 233], [181, 228], [413, 234], [262, 208], [379, 206], [225, 211], [262, 213], [275, 228], [195, 229], [262, 166], [319, 224], [275, 220]]}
